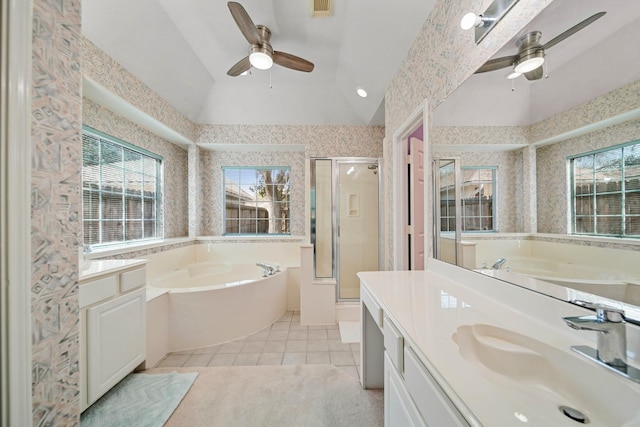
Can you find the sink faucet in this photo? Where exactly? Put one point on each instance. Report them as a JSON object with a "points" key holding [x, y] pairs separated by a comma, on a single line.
{"points": [[268, 269], [609, 322], [496, 265]]}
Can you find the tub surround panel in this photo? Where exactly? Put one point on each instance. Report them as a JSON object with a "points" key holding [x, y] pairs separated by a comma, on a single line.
{"points": [[175, 162], [55, 210], [104, 70]]}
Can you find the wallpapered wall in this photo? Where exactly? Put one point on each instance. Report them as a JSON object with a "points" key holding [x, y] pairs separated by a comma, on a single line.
{"points": [[317, 141], [175, 180], [55, 210]]}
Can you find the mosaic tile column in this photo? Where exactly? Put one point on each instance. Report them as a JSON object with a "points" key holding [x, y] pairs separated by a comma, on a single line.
{"points": [[193, 181], [529, 193], [55, 210]]}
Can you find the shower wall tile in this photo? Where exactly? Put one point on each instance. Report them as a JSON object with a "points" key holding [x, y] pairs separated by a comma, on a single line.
{"points": [[55, 210], [105, 71], [440, 59], [175, 208]]}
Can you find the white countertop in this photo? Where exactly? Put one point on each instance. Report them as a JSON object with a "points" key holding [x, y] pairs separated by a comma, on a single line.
{"points": [[93, 269], [428, 308]]}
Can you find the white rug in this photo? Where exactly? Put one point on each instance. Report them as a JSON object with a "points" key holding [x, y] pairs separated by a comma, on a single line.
{"points": [[139, 400], [349, 331]]}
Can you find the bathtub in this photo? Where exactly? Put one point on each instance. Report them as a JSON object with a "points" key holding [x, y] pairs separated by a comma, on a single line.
{"points": [[610, 273], [211, 302]]}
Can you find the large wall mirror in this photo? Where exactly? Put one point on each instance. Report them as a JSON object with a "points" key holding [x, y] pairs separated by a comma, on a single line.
{"points": [[584, 99]]}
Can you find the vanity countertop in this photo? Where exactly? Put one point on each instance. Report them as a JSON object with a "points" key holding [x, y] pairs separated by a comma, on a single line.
{"points": [[92, 269], [429, 307]]}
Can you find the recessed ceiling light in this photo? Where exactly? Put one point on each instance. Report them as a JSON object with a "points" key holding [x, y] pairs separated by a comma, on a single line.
{"points": [[361, 92]]}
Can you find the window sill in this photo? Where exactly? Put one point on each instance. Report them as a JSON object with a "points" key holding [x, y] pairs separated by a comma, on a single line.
{"points": [[244, 238], [132, 247]]}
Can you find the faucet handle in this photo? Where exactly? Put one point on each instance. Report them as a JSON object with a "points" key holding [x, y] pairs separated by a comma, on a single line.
{"points": [[604, 313]]}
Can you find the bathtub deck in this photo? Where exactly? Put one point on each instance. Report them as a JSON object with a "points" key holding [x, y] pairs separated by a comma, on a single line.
{"points": [[285, 342]]}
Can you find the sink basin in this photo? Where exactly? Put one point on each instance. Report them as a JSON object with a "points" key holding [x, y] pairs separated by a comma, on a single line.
{"points": [[546, 379]]}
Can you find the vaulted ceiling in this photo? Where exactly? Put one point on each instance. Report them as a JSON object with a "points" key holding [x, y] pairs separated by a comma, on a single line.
{"points": [[182, 50]]}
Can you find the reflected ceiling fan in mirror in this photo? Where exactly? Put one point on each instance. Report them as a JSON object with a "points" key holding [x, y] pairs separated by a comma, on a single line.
{"points": [[261, 54], [531, 53]]}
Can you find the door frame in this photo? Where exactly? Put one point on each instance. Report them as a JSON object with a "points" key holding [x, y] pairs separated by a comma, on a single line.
{"points": [[399, 203], [15, 213]]}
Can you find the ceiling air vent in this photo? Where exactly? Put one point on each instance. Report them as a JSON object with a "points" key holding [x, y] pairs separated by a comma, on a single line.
{"points": [[321, 8]]}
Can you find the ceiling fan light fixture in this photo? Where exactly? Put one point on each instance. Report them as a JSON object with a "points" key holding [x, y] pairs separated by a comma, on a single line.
{"points": [[261, 58], [529, 62], [513, 75]]}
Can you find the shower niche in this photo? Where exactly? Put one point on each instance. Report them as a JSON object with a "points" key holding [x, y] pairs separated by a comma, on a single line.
{"points": [[345, 221]]}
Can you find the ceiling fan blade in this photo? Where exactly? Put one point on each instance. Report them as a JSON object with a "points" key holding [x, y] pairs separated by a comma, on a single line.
{"points": [[497, 63], [571, 31], [244, 22], [292, 61], [535, 74], [240, 67]]}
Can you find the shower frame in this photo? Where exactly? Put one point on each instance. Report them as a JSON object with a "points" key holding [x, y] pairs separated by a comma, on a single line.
{"points": [[335, 205]]}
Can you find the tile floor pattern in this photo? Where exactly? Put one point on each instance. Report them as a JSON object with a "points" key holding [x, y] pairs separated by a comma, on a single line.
{"points": [[285, 342]]}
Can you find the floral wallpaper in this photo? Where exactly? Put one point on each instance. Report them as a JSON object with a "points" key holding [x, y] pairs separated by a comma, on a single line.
{"points": [[317, 141], [104, 70], [175, 160], [56, 106]]}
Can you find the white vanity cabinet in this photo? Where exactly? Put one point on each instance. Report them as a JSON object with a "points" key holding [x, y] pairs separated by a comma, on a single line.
{"points": [[112, 329], [412, 397]]}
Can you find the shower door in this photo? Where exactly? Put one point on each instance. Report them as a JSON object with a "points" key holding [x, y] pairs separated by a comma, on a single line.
{"points": [[345, 226], [357, 224]]}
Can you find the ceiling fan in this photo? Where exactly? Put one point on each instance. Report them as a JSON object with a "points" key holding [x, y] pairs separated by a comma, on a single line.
{"points": [[261, 55], [530, 56]]}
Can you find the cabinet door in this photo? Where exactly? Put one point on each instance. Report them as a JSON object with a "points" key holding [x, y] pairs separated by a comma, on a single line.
{"points": [[399, 410], [116, 341]]}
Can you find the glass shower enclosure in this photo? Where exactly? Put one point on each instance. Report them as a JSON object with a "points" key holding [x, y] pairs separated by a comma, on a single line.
{"points": [[345, 221]]}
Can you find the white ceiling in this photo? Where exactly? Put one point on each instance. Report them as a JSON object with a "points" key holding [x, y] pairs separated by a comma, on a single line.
{"points": [[182, 50], [597, 59]]}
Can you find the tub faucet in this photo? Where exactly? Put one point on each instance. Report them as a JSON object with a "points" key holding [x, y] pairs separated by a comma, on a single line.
{"points": [[496, 265], [611, 351], [268, 269]]}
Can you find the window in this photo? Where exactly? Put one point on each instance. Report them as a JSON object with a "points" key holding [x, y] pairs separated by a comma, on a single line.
{"points": [[120, 190], [478, 203], [606, 191], [256, 200]]}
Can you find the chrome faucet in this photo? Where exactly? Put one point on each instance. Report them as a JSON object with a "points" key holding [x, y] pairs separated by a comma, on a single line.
{"points": [[496, 265], [268, 269], [612, 332], [610, 324]]}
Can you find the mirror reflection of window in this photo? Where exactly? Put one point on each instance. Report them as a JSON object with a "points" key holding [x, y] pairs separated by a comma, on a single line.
{"points": [[606, 191], [257, 200], [478, 198]]}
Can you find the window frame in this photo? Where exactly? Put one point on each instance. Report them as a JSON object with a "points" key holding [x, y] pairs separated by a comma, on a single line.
{"points": [[224, 201], [494, 195], [623, 191], [157, 217]]}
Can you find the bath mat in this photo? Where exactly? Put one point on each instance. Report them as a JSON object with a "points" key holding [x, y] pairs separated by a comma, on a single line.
{"points": [[349, 331], [140, 400]]}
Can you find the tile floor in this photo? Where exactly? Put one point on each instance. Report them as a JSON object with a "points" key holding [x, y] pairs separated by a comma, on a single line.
{"points": [[285, 342]]}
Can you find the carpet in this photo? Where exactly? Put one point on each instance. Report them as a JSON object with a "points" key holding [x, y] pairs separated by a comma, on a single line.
{"points": [[139, 400], [278, 396], [349, 331]]}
